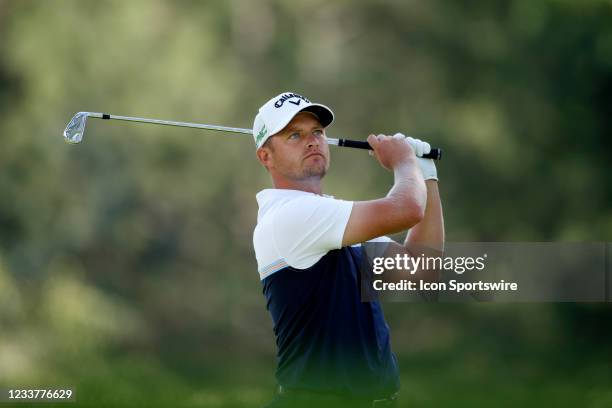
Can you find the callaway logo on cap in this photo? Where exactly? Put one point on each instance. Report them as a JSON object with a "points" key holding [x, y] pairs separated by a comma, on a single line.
{"points": [[275, 114]]}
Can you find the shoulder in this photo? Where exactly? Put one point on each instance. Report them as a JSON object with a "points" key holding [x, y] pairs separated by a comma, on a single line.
{"points": [[297, 228], [294, 205]]}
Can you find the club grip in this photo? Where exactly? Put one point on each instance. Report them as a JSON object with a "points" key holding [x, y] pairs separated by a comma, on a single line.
{"points": [[435, 153]]}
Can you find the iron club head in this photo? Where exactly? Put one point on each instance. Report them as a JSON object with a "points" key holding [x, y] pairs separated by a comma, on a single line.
{"points": [[76, 128]]}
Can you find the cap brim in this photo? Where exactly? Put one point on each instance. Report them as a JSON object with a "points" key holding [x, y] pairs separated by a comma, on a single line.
{"points": [[322, 112], [325, 115]]}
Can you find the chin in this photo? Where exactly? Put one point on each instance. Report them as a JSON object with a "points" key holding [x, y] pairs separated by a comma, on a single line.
{"points": [[315, 172]]}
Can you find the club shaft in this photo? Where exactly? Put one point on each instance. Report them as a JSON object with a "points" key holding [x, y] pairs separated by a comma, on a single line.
{"points": [[174, 123], [435, 153]]}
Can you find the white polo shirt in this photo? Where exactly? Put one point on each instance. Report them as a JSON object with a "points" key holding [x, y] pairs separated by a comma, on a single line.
{"points": [[328, 340]]}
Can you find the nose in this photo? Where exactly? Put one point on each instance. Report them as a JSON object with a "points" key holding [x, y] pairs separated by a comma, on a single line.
{"points": [[312, 141]]}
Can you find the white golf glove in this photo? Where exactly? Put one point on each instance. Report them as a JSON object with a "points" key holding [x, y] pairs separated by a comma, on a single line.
{"points": [[428, 167]]}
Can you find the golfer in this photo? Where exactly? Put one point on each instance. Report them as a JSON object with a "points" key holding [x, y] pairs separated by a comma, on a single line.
{"points": [[333, 349]]}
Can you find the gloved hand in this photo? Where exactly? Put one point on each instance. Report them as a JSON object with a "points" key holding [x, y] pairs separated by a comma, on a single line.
{"points": [[428, 167]]}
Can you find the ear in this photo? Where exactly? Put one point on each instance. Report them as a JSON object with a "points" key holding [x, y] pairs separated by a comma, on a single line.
{"points": [[265, 157]]}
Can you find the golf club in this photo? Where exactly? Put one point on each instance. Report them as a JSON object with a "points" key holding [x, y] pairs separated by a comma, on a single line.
{"points": [[75, 131]]}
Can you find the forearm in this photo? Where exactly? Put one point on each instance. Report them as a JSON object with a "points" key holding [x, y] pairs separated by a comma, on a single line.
{"points": [[402, 208], [429, 232], [409, 191]]}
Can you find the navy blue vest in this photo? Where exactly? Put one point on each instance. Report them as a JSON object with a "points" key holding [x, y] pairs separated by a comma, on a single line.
{"points": [[327, 339]]}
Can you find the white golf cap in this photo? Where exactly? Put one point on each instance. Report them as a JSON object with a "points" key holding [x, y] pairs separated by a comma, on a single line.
{"points": [[275, 114]]}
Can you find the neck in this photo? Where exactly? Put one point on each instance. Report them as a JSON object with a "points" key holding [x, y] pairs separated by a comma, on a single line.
{"points": [[310, 185]]}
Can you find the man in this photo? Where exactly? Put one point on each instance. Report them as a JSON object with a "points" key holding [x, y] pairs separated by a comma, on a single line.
{"points": [[333, 349]]}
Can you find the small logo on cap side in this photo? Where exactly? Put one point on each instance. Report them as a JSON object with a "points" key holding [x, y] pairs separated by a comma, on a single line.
{"points": [[262, 133], [287, 97]]}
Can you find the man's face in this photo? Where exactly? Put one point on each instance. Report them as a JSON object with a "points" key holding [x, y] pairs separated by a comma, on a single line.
{"points": [[299, 151]]}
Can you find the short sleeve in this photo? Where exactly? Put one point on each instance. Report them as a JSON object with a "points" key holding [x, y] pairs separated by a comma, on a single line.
{"points": [[307, 227]]}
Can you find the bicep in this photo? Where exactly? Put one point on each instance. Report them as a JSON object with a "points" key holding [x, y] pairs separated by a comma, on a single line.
{"points": [[371, 219]]}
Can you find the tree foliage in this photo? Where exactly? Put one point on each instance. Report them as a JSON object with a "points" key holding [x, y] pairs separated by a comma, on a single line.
{"points": [[141, 237]]}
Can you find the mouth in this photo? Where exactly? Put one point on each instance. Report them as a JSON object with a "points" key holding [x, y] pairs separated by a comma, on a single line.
{"points": [[314, 154]]}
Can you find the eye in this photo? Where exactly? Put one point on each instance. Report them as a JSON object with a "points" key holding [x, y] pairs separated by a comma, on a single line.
{"points": [[317, 132], [294, 136]]}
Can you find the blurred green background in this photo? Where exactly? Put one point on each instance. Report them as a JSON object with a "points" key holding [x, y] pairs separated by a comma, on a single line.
{"points": [[126, 263]]}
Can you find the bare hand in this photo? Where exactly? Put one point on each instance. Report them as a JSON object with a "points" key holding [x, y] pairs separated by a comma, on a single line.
{"points": [[391, 151]]}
